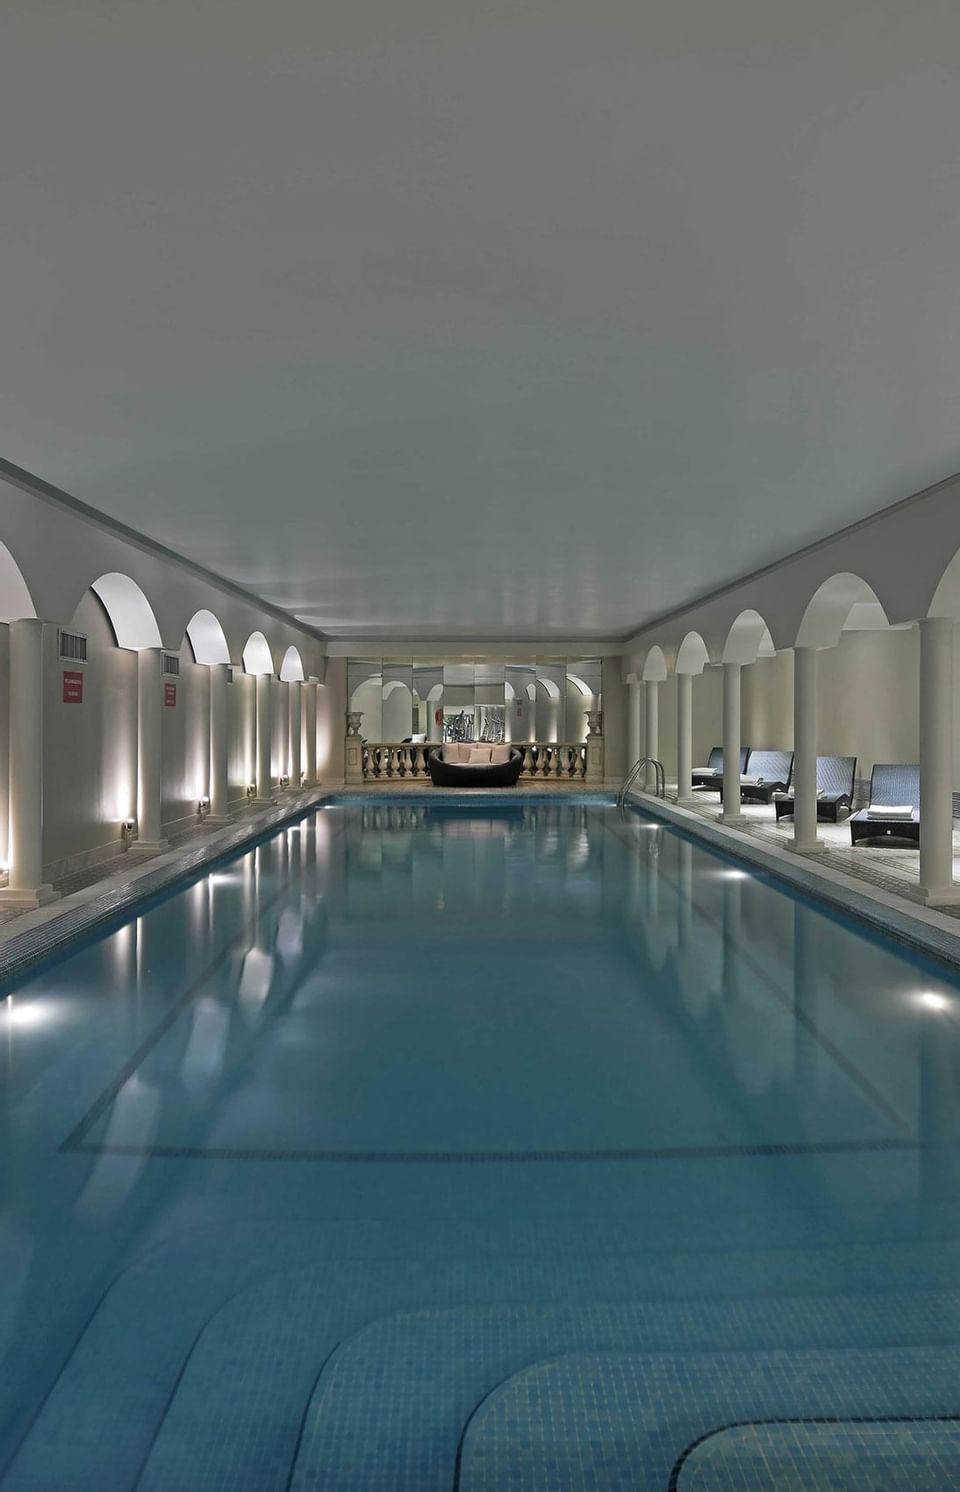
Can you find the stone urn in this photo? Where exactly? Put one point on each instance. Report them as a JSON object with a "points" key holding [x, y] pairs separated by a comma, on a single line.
{"points": [[354, 718], [594, 723]]}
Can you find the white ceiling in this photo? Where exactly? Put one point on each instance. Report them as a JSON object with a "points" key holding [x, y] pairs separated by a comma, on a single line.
{"points": [[481, 318]]}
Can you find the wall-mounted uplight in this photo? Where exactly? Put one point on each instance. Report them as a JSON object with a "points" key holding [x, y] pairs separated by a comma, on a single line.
{"points": [[128, 828], [252, 790], [284, 780], [203, 806]]}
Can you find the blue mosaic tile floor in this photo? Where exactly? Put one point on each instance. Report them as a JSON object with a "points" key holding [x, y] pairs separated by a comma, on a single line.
{"points": [[408, 1152]]}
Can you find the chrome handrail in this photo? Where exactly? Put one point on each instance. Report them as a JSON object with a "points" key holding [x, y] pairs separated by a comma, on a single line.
{"points": [[660, 778]]}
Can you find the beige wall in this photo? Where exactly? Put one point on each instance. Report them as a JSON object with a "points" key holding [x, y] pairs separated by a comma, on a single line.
{"points": [[766, 703], [614, 718], [869, 700], [89, 749], [331, 724], [242, 728]]}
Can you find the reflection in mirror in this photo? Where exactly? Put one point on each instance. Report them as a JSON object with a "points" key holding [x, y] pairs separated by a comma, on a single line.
{"points": [[428, 698], [397, 717], [551, 699], [544, 700], [489, 680], [364, 691], [520, 694], [459, 701], [583, 695]]}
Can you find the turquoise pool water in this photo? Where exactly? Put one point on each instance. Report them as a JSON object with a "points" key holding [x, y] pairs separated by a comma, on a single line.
{"points": [[489, 1144]]}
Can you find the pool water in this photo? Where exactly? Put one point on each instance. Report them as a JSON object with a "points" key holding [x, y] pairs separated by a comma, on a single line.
{"points": [[505, 1144]]}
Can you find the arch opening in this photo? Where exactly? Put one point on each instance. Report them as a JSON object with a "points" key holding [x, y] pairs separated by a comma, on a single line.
{"points": [[207, 638], [654, 666], [131, 615], [842, 601], [15, 599], [291, 669], [692, 655], [748, 639], [257, 657]]}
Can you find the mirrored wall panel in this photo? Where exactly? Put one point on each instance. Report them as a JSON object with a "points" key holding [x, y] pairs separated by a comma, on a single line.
{"points": [[543, 699]]}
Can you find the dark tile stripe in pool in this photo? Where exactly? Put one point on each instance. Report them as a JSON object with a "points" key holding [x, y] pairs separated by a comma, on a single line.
{"points": [[486, 1157]]}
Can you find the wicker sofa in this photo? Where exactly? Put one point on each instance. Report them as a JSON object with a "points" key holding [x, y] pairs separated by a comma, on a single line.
{"points": [[474, 764]]}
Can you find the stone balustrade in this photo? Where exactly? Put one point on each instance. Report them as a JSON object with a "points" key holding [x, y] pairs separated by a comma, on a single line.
{"points": [[387, 761]]}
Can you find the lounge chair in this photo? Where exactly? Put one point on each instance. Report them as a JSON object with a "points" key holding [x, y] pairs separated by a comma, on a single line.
{"points": [[893, 811], [836, 776], [711, 776], [474, 764], [766, 773]]}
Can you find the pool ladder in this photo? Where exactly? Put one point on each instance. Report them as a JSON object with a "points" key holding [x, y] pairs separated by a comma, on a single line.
{"points": [[660, 778]]}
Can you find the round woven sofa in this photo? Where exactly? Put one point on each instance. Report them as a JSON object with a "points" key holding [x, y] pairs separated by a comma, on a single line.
{"points": [[474, 764]]}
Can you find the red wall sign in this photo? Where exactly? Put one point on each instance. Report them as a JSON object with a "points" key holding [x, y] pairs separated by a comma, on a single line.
{"points": [[72, 687], [169, 693]]}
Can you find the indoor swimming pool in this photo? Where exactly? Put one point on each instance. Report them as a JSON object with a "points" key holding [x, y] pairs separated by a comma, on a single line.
{"points": [[488, 1144]]}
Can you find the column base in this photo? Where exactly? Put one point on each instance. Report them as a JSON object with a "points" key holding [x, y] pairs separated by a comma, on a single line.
{"points": [[218, 820], [732, 818], [940, 896], [18, 896], [808, 847], [263, 803], [148, 846]]}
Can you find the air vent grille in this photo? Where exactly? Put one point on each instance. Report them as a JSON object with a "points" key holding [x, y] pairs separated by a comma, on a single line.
{"points": [[171, 665], [73, 646]]}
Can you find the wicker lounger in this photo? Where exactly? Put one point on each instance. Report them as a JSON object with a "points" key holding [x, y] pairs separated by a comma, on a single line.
{"points": [[771, 771], [836, 776], [891, 783], [711, 776]]}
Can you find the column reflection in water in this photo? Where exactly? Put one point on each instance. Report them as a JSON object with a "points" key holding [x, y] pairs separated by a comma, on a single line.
{"points": [[938, 1116], [806, 1050]]}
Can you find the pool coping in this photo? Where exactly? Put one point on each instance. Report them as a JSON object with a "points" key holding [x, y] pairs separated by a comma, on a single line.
{"points": [[44, 933], [922, 929]]}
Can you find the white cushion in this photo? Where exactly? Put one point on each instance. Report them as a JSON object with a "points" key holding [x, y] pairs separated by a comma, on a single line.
{"points": [[479, 756], [499, 755], [712, 771], [887, 811]]}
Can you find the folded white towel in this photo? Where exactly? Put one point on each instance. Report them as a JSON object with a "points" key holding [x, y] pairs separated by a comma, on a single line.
{"points": [[751, 781], [887, 811], [708, 771]]}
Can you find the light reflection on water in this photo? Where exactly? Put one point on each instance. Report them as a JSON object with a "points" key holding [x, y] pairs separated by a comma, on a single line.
{"points": [[392, 981]]}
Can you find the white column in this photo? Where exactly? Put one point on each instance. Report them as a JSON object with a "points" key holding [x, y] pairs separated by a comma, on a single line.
{"points": [[219, 782], [149, 748], [633, 722], [731, 744], [26, 884], [281, 725], [651, 728], [264, 738], [296, 734], [805, 750], [310, 733], [936, 761], [684, 736]]}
